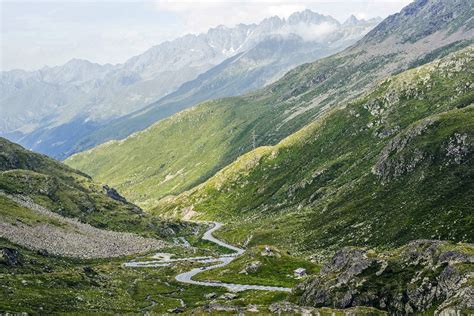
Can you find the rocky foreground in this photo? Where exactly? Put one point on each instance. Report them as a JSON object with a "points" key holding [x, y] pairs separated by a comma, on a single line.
{"points": [[68, 237], [424, 275]]}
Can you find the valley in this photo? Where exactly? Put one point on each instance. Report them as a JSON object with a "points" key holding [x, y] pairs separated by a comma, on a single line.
{"points": [[182, 151], [300, 165], [345, 175]]}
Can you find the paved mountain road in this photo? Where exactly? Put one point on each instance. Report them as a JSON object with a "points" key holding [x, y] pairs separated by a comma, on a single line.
{"points": [[186, 277]]}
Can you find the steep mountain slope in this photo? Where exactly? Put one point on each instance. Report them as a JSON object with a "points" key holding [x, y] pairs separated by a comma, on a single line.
{"points": [[387, 168], [33, 186], [180, 152], [266, 62], [44, 109]]}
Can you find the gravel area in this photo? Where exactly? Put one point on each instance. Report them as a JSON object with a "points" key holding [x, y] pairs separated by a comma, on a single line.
{"points": [[73, 238]]}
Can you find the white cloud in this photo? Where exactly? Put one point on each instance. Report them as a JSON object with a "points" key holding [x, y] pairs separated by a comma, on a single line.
{"points": [[313, 33], [198, 16], [284, 10]]}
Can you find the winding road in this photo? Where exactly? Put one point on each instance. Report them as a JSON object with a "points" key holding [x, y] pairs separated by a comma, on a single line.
{"points": [[186, 277]]}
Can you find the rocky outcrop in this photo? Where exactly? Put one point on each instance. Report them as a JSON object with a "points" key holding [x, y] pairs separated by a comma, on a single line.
{"points": [[457, 148], [112, 193], [419, 276], [251, 267], [10, 257], [396, 159]]}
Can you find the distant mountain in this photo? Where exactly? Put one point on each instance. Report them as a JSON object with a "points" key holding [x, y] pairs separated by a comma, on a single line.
{"points": [[54, 110], [186, 149], [262, 64]]}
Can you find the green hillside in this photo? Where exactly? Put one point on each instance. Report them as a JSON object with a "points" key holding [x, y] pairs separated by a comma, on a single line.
{"points": [[69, 193], [387, 168], [178, 153]]}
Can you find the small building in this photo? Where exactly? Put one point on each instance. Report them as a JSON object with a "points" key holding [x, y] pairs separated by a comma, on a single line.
{"points": [[300, 272]]}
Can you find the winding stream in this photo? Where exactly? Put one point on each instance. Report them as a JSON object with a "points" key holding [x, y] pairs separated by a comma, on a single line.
{"points": [[186, 277]]}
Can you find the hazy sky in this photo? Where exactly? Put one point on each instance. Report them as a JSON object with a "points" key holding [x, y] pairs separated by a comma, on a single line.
{"points": [[38, 33]]}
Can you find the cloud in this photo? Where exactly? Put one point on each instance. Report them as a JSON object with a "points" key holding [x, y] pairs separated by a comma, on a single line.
{"points": [[284, 10], [315, 32], [199, 16]]}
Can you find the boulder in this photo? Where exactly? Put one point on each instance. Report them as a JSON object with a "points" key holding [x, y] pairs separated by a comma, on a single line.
{"points": [[251, 267], [210, 296], [176, 310], [10, 257], [229, 296], [43, 252], [113, 194]]}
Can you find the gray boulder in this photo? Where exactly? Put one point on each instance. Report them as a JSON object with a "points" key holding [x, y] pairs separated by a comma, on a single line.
{"points": [[10, 257]]}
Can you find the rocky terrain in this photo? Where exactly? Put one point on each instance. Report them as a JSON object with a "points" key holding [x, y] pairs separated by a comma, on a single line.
{"points": [[424, 275], [68, 237]]}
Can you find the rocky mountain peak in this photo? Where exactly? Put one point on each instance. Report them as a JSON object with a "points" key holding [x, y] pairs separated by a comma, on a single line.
{"points": [[272, 22], [310, 17], [351, 21]]}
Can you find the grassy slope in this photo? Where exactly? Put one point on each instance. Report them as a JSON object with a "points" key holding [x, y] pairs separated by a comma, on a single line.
{"points": [[69, 193], [277, 269], [375, 172], [48, 285], [178, 153]]}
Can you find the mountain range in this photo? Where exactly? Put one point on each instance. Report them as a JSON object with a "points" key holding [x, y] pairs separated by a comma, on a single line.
{"points": [[65, 109]]}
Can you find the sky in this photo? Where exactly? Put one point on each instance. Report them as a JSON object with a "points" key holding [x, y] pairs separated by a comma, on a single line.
{"points": [[39, 33]]}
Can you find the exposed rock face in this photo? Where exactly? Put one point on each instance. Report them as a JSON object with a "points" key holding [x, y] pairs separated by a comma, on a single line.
{"points": [[457, 148], [10, 257], [395, 160], [112, 193], [414, 278], [251, 267]]}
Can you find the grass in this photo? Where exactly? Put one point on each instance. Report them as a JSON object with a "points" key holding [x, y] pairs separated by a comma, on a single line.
{"points": [[276, 270], [182, 151], [11, 212], [71, 193], [317, 189], [54, 284]]}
